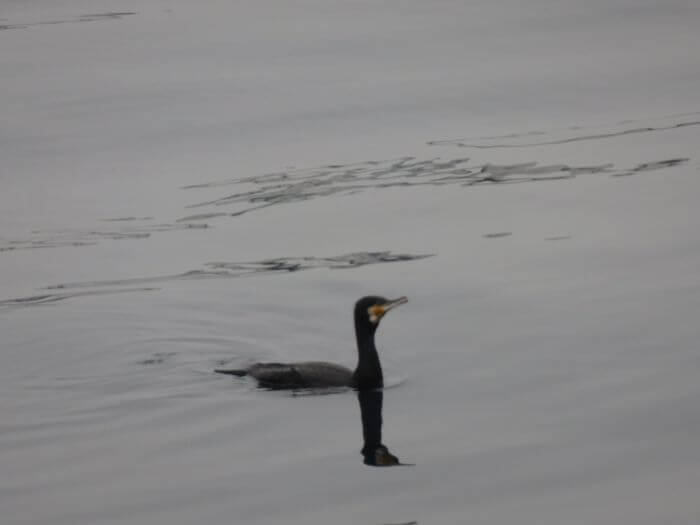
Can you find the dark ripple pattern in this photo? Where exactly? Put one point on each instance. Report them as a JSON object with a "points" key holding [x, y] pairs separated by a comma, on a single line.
{"points": [[53, 297], [77, 238], [222, 270], [93, 17], [298, 185], [213, 270], [574, 134]]}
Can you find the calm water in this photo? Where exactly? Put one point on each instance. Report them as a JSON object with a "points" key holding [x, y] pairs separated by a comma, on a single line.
{"points": [[187, 187]]}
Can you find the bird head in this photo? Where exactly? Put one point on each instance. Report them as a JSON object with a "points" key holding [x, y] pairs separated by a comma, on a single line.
{"points": [[370, 310]]}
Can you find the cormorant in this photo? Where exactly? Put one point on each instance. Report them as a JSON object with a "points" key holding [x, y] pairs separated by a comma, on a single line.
{"points": [[317, 374]]}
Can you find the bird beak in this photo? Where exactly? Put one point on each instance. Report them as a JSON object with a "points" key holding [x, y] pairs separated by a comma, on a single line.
{"points": [[377, 311], [394, 303]]}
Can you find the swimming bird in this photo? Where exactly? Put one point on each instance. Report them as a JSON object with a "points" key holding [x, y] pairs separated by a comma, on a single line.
{"points": [[369, 311]]}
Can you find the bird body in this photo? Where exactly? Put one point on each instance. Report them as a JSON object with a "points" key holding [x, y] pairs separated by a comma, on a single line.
{"points": [[318, 374], [305, 374]]}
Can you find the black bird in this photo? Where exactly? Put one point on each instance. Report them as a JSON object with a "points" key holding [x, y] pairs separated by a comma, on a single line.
{"points": [[318, 374]]}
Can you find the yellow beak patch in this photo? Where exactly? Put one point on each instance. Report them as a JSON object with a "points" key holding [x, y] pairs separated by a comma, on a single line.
{"points": [[376, 312]]}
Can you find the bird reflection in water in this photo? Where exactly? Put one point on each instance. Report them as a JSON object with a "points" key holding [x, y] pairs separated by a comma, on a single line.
{"points": [[375, 453]]}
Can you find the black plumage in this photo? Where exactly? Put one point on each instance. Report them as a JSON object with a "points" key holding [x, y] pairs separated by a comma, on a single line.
{"points": [[318, 374]]}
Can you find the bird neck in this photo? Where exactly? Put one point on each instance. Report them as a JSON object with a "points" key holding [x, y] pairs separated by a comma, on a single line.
{"points": [[369, 371]]}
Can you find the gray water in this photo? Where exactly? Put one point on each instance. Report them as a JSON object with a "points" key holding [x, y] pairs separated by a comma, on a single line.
{"points": [[189, 186]]}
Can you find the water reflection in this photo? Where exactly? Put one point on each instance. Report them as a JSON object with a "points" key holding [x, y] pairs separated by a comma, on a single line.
{"points": [[375, 453]]}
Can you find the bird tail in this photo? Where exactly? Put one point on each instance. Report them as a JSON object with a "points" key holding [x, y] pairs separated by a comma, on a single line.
{"points": [[234, 372]]}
